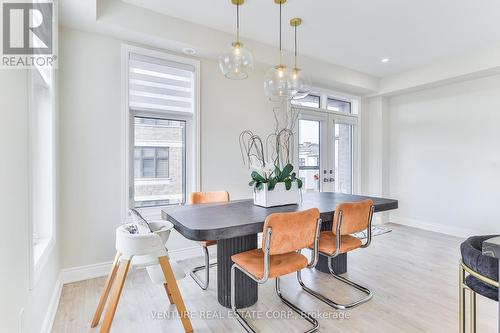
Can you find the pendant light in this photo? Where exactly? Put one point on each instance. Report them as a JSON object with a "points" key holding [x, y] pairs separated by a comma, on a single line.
{"points": [[236, 62], [277, 80], [301, 82]]}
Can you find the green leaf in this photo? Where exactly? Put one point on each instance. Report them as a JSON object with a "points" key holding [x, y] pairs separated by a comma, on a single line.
{"points": [[255, 176], [288, 184], [277, 172], [271, 184], [299, 183], [251, 183], [259, 186], [286, 171]]}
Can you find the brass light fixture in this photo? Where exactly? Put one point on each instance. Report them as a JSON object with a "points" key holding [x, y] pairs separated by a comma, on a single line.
{"points": [[277, 80], [301, 82], [236, 62]]}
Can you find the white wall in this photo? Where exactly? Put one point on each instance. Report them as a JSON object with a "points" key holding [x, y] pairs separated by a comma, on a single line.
{"points": [[374, 151], [15, 290], [90, 183], [90, 98], [444, 148]]}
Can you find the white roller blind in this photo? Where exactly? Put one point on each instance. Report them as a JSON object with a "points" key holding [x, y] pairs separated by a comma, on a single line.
{"points": [[159, 84]]}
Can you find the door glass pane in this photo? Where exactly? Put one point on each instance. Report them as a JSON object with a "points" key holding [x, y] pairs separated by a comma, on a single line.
{"points": [[309, 154], [339, 106], [343, 158], [159, 162], [311, 101]]}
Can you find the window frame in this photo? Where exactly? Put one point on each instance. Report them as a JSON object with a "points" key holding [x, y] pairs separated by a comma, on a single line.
{"points": [[39, 253], [192, 133]]}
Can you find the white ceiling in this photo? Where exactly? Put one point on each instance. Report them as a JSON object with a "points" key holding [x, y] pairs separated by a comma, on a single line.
{"points": [[355, 33]]}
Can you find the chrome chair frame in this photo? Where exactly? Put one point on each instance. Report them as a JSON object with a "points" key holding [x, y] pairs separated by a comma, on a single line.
{"points": [[203, 284], [365, 290], [265, 278], [462, 288]]}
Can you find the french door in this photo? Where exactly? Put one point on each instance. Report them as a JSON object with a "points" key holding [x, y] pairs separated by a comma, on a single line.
{"points": [[326, 151]]}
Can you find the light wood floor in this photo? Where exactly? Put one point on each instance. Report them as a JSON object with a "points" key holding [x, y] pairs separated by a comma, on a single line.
{"points": [[413, 274]]}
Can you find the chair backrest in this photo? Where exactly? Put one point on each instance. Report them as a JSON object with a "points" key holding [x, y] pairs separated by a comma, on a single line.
{"points": [[135, 244], [355, 216], [208, 197], [142, 223], [291, 231]]}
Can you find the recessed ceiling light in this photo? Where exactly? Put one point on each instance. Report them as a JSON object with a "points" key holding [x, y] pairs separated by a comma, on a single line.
{"points": [[385, 60], [189, 50]]}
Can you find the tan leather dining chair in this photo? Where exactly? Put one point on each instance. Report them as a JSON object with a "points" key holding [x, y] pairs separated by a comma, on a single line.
{"points": [[200, 198], [284, 234], [349, 218]]}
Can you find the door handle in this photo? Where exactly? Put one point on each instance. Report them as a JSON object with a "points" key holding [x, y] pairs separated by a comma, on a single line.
{"points": [[325, 180], [332, 180]]}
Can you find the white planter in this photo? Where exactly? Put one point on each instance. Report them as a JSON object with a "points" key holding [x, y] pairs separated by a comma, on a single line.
{"points": [[279, 196]]}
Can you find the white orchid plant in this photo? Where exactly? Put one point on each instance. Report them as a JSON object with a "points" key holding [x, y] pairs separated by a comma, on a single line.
{"points": [[270, 162]]}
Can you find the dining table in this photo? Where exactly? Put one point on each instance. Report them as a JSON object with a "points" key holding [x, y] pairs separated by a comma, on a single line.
{"points": [[235, 226], [491, 247]]}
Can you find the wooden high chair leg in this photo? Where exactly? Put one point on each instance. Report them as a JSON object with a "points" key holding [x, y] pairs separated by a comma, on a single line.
{"points": [[105, 292], [110, 313], [176, 294], [169, 294]]}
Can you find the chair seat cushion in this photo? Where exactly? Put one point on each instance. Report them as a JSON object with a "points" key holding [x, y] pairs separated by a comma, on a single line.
{"points": [[472, 256], [207, 243], [482, 288], [281, 264], [328, 245]]}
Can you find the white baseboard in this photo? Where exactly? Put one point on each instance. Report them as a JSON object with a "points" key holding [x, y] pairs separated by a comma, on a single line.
{"points": [[188, 252], [435, 227], [50, 315], [81, 273]]}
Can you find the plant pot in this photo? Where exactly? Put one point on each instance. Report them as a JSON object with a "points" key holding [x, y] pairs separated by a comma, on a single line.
{"points": [[279, 196]]}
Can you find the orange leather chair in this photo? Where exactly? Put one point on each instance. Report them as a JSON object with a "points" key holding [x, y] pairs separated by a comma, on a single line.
{"points": [[285, 234], [200, 198], [349, 218]]}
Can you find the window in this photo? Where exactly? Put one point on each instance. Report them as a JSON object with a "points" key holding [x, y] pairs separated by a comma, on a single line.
{"points": [[343, 157], [162, 99], [42, 163], [329, 142], [151, 162], [159, 161], [309, 154], [312, 101], [339, 106]]}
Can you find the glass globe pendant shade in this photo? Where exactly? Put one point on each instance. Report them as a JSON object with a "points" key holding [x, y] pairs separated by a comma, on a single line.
{"points": [[236, 62], [278, 84], [301, 83]]}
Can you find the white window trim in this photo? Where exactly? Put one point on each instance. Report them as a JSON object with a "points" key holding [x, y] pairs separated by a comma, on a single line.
{"points": [[126, 114], [354, 117], [38, 255]]}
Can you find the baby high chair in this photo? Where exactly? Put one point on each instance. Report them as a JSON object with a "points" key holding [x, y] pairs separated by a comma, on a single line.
{"points": [[141, 244]]}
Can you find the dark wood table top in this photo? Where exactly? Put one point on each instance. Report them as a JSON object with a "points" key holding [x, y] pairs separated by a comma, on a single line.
{"points": [[242, 217]]}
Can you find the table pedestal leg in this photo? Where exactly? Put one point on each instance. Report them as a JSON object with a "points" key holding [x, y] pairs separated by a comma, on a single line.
{"points": [[339, 264], [246, 288]]}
